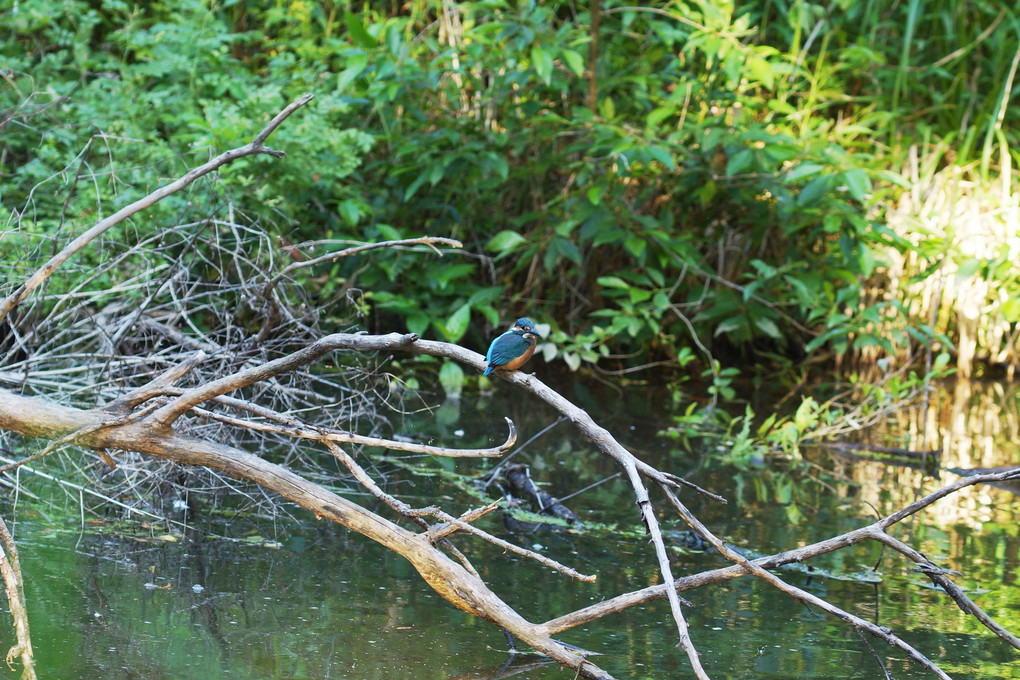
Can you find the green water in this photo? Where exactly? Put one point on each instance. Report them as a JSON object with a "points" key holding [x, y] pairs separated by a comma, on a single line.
{"points": [[312, 601]]}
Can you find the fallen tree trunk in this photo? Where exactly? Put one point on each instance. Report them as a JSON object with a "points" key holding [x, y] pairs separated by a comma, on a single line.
{"points": [[100, 430]]}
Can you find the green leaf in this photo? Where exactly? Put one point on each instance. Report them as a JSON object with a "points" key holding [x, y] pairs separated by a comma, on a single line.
{"points": [[766, 425], [350, 211], [639, 294], [814, 190], [728, 326], [762, 70], [662, 155], [1010, 310], [494, 163], [389, 233], [768, 327], [357, 32], [941, 361], [858, 182], [355, 66], [655, 276], [707, 192], [418, 322], [635, 245], [801, 289], [607, 108], [782, 107], [543, 62], [806, 415], [457, 324], [393, 40], [572, 360], [803, 170], [574, 61], [567, 249], [612, 282], [739, 162], [658, 115], [832, 223], [836, 334], [415, 185], [794, 515], [548, 351], [504, 241], [968, 268], [634, 327]]}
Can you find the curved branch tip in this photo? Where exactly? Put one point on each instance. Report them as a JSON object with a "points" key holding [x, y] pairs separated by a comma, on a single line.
{"points": [[511, 438]]}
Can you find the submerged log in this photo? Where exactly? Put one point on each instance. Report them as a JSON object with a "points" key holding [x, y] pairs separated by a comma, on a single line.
{"points": [[520, 484]]}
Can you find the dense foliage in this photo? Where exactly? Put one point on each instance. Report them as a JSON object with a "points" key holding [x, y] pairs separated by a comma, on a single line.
{"points": [[755, 181]]}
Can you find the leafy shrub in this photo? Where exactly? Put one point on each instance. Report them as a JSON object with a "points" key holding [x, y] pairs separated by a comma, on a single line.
{"points": [[696, 179]]}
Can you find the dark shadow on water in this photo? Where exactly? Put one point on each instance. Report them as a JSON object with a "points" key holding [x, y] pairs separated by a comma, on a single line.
{"points": [[515, 665]]}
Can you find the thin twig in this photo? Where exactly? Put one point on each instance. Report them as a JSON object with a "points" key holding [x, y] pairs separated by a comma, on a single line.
{"points": [[875, 531], [85, 490], [491, 475], [166, 415], [324, 434], [430, 241]]}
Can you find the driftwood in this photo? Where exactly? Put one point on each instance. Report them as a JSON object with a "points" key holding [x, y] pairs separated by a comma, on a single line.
{"points": [[149, 419]]}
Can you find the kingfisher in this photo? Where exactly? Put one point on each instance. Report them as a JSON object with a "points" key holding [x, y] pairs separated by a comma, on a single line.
{"points": [[510, 350]]}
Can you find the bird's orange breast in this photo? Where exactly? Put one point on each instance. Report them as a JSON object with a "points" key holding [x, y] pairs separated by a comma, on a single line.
{"points": [[517, 362]]}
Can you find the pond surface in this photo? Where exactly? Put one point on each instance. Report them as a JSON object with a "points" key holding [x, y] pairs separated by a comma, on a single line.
{"points": [[268, 599]]}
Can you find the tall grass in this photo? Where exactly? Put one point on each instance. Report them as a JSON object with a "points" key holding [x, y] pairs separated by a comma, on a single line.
{"points": [[931, 85]]}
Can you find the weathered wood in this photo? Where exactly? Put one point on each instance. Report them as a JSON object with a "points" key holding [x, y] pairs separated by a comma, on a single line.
{"points": [[37, 417]]}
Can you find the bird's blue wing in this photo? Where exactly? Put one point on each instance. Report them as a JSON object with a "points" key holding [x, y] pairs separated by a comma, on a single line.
{"points": [[506, 348], [493, 345]]}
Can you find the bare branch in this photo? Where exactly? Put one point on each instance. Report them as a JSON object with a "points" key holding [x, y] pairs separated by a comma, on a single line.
{"points": [[14, 584], [605, 441], [272, 316], [440, 531], [430, 241], [799, 593], [301, 431], [452, 524], [874, 531], [166, 415], [95, 494], [157, 386], [940, 578], [254, 147]]}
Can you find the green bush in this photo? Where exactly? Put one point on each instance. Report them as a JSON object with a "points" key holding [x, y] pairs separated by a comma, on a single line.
{"points": [[697, 177]]}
